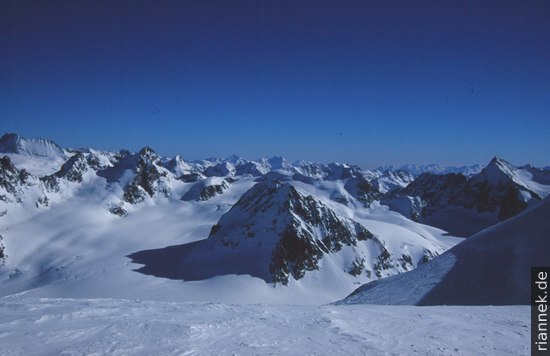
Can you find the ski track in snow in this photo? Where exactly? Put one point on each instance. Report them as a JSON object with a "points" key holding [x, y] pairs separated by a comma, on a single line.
{"points": [[32, 326]]}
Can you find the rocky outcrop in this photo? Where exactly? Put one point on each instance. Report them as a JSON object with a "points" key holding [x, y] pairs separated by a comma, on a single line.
{"points": [[12, 181]]}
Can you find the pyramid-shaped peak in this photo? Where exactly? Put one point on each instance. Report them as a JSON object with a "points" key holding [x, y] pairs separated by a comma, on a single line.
{"points": [[148, 155], [267, 193], [498, 161], [234, 159], [147, 151], [291, 232], [497, 171]]}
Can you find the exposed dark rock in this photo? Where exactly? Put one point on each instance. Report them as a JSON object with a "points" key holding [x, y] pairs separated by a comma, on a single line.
{"points": [[2, 250], [362, 190], [203, 192], [306, 228], [191, 177], [494, 190], [357, 267], [12, 179], [117, 209], [148, 178], [72, 170]]}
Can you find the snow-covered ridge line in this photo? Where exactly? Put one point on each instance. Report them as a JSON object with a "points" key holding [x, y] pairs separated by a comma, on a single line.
{"points": [[11, 143], [490, 268], [67, 229]]}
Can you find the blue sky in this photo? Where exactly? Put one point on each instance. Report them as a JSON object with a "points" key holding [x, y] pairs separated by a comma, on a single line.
{"points": [[364, 82]]}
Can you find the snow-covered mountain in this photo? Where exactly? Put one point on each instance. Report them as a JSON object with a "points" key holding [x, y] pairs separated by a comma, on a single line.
{"points": [[464, 205], [37, 156], [276, 233], [490, 268], [13, 143], [417, 170], [207, 189], [313, 230]]}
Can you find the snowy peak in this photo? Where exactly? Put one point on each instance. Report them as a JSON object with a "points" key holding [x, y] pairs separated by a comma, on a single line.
{"points": [[150, 178], [297, 230], [222, 169], [79, 164], [498, 192], [275, 233], [140, 174], [178, 166], [74, 169], [389, 181], [498, 171], [13, 143], [251, 168], [11, 180], [362, 190], [490, 268], [148, 156]]}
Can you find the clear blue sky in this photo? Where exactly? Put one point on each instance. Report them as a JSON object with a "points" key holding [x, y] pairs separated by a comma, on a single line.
{"points": [[364, 82]]}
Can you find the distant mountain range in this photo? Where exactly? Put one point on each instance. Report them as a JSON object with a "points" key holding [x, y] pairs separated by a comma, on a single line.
{"points": [[293, 224]]}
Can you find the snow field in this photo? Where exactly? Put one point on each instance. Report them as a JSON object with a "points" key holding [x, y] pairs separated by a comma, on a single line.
{"points": [[30, 326]]}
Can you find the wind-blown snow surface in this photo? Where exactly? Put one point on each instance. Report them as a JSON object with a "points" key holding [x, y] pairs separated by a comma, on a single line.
{"points": [[133, 327], [490, 268]]}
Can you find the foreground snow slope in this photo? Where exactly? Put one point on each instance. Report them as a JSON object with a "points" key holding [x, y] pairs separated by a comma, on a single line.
{"points": [[31, 326], [490, 268]]}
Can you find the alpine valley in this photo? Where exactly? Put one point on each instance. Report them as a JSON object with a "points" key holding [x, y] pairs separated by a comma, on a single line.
{"points": [[92, 229]]}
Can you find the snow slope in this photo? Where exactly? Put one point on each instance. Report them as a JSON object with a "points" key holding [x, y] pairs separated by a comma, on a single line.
{"points": [[276, 233], [463, 206], [490, 268], [30, 326], [69, 234], [68, 228]]}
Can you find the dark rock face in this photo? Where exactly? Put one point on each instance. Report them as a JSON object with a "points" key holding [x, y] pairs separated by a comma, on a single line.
{"points": [[248, 168], [304, 228], [492, 190], [191, 177], [2, 251], [12, 179], [219, 170], [202, 192], [147, 179], [118, 210], [211, 191], [362, 190], [72, 170]]}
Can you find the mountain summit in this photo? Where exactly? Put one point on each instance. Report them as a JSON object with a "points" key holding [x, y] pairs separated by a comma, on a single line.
{"points": [[276, 233], [13, 143], [489, 268], [464, 205]]}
